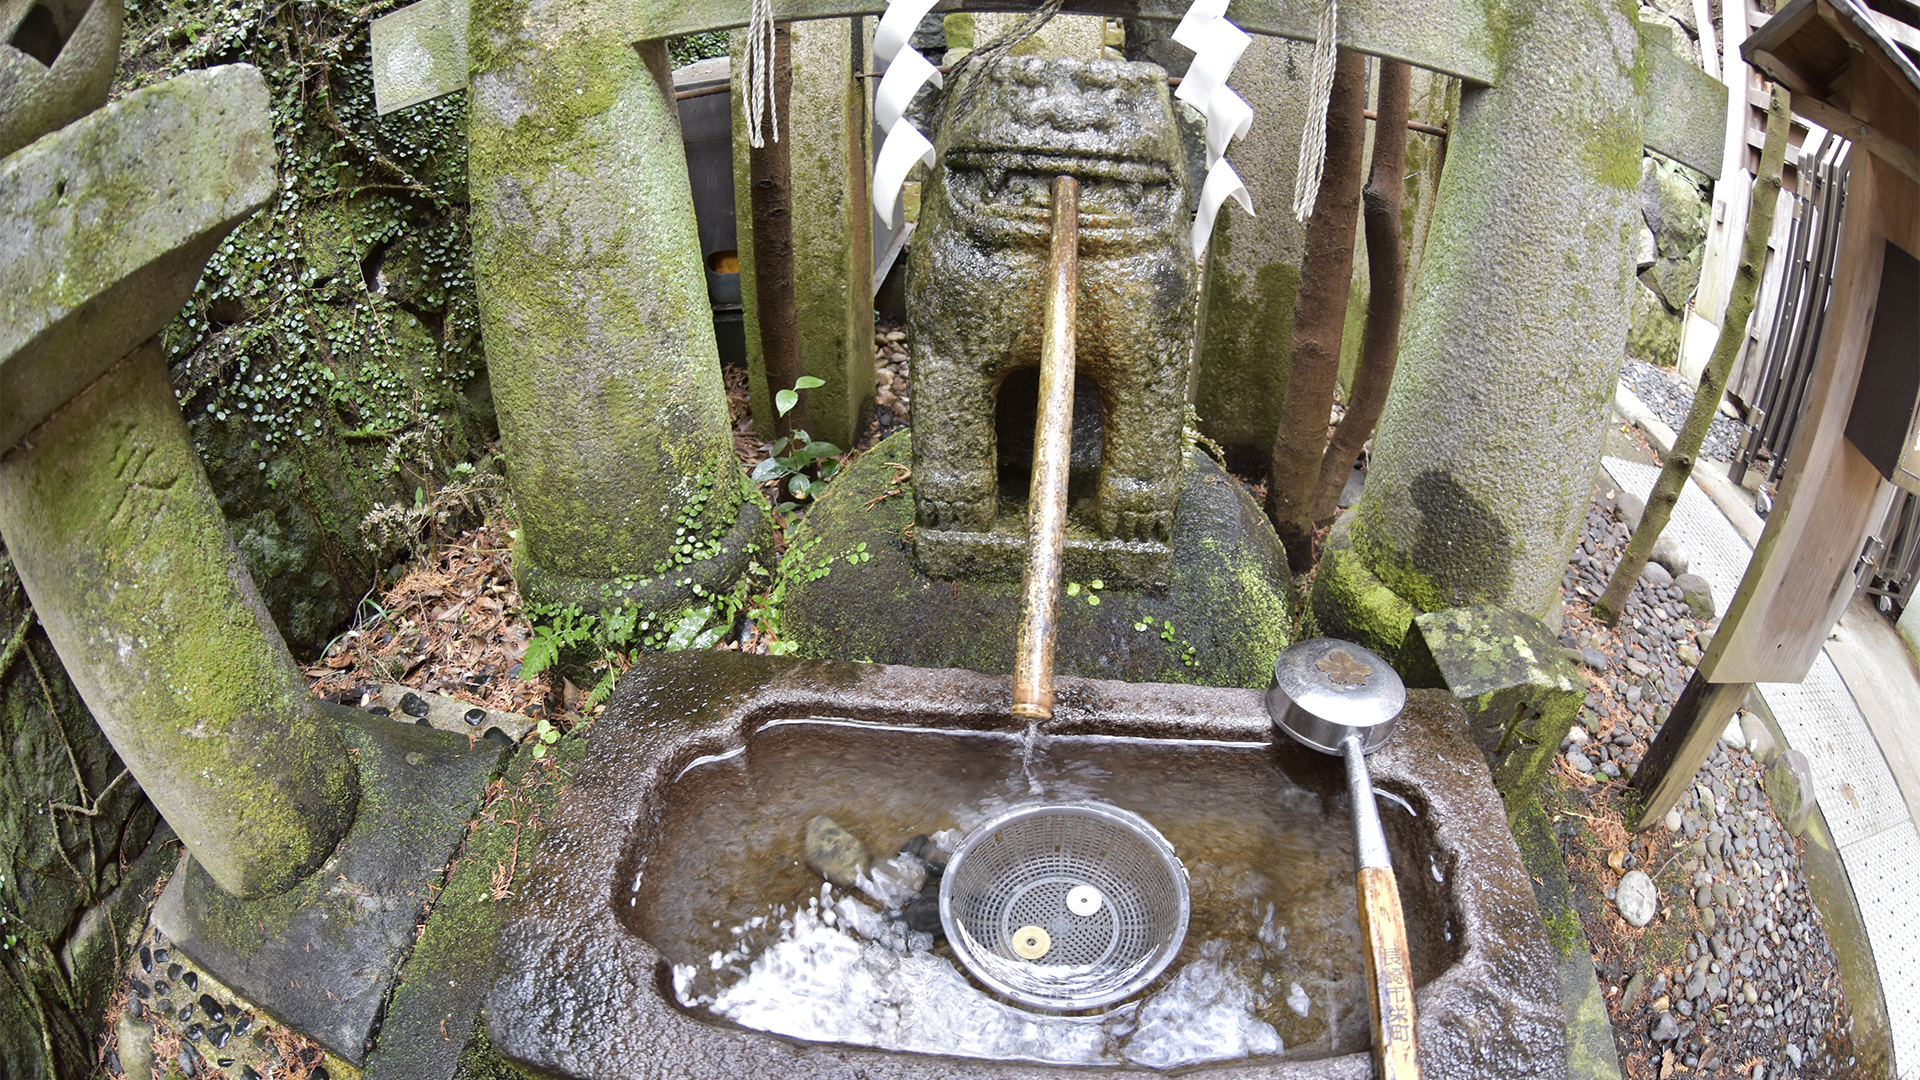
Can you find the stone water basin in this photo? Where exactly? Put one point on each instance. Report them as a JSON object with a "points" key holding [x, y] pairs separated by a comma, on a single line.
{"points": [[668, 901]]}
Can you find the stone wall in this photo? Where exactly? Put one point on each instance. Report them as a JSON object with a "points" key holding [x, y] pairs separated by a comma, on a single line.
{"points": [[79, 847], [1673, 204], [329, 362], [1671, 245]]}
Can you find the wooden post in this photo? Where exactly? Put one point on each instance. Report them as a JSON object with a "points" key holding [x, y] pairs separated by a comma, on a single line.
{"points": [[1683, 744]]}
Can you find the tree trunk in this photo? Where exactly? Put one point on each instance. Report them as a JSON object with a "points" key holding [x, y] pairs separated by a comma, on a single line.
{"points": [[1318, 316], [1386, 267], [1713, 382], [770, 173]]}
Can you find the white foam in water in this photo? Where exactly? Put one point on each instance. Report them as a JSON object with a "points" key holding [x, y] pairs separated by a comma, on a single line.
{"points": [[842, 972], [1205, 1014], [894, 881], [1298, 1001]]}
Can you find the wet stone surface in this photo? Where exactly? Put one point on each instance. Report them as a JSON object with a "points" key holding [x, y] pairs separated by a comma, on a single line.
{"points": [[1734, 975], [1479, 948]]}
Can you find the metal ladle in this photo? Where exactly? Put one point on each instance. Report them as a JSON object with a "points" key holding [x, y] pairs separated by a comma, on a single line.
{"points": [[1341, 699]]}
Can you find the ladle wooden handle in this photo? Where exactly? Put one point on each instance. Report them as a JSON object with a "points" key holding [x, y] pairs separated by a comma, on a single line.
{"points": [[1389, 975]]}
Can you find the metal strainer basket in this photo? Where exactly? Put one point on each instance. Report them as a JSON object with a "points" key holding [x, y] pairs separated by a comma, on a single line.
{"points": [[1065, 907]]}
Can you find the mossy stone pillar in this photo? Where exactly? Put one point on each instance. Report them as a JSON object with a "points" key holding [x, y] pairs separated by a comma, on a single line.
{"points": [[1253, 262], [594, 312], [1485, 454], [832, 230], [116, 535]]}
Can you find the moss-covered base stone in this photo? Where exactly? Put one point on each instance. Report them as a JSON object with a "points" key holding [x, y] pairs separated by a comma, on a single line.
{"points": [[323, 956], [1519, 690], [716, 564], [1349, 603], [1225, 614]]}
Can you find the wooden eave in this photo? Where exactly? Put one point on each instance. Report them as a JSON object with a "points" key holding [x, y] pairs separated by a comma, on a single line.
{"points": [[1811, 45]]}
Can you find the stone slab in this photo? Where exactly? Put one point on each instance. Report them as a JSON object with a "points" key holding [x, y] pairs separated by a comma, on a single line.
{"points": [[1002, 556], [580, 994], [432, 1019], [1684, 107], [446, 714], [323, 956], [1228, 596], [1508, 672], [105, 225]]}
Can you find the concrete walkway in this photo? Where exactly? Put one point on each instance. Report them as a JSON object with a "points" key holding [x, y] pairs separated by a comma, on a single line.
{"points": [[1857, 718]]}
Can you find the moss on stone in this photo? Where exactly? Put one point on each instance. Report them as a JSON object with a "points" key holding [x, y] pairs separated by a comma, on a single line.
{"points": [[444, 980], [1247, 335], [1224, 616], [113, 524], [599, 337], [1520, 692], [1350, 603]]}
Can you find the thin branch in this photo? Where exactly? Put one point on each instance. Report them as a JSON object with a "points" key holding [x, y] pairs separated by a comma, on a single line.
{"points": [[17, 642]]}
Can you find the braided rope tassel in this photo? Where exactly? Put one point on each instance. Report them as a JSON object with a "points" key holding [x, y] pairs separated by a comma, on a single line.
{"points": [[758, 78], [1313, 139]]}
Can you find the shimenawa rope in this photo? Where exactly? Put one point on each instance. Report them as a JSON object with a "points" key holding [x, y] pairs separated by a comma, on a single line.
{"points": [[758, 78]]}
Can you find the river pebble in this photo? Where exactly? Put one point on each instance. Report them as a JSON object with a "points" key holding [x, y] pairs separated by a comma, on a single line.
{"points": [[1748, 984], [1668, 398]]}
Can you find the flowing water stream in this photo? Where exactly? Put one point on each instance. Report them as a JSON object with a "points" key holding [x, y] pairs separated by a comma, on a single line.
{"points": [[1271, 964]]}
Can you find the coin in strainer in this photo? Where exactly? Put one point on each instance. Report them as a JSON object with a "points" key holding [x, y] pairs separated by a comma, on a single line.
{"points": [[1065, 906]]}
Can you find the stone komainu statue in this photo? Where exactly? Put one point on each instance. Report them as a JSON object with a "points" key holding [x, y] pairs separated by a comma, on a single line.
{"points": [[976, 291]]}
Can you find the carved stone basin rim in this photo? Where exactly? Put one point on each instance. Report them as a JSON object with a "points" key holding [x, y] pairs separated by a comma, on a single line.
{"points": [[581, 995]]}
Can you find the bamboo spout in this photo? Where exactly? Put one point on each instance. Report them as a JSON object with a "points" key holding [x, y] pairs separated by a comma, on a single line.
{"points": [[1052, 441]]}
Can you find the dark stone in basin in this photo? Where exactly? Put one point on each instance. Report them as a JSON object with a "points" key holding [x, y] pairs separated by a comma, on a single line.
{"points": [[581, 995]]}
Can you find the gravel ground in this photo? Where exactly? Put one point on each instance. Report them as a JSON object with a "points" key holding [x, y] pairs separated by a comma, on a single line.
{"points": [[893, 393], [1734, 976], [1670, 398]]}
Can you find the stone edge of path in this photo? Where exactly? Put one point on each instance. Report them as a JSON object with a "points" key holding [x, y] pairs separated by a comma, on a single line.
{"points": [[1832, 891], [1591, 1051], [1735, 502]]}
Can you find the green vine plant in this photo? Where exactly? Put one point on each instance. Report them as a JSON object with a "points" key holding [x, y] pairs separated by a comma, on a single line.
{"points": [[800, 462], [338, 325]]}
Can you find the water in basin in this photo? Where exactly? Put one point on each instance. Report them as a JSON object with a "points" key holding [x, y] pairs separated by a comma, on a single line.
{"points": [[1271, 964]]}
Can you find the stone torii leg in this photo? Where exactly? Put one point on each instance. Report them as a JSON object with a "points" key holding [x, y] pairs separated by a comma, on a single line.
{"points": [[104, 504], [1514, 335]]}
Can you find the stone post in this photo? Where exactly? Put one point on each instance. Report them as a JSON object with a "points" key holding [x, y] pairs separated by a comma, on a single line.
{"points": [[1253, 262], [104, 505], [1484, 457], [593, 307], [832, 230]]}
